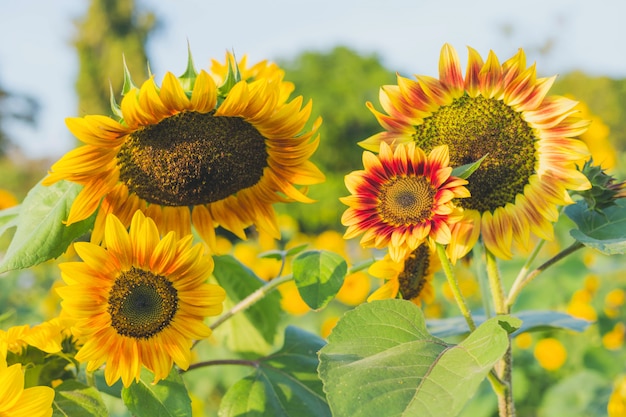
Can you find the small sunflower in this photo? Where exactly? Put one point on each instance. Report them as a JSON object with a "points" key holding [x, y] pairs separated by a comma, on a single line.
{"points": [[140, 301], [500, 111], [202, 149], [401, 198], [17, 401], [410, 278]]}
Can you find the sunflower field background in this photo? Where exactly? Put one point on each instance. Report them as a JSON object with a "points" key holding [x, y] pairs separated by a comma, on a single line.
{"points": [[265, 304]]}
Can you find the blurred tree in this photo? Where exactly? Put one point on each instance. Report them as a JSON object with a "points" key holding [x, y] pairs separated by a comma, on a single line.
{"points": [[339, 82], [14, 106], [110, 30]]}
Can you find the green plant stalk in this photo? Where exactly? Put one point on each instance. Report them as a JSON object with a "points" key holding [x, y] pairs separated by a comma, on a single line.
{"points": [[528, 278], [523, 273], [251, 299], [483, 283], [454, 286], [506, 406]]}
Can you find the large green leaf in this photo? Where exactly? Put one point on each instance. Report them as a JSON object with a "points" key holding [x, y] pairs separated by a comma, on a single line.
{"points": [[41, 234], [8, 218], [381, 361], [167, 398], [532, 321], [605, 231], [255, 328], [319, 275], [284, 384], [72, 398]]}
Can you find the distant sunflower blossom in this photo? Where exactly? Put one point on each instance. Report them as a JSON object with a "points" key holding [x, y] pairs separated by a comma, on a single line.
{"points": [[203, 149], [140, 301], [17, 401], [401, 198], [500, 111], [411, 279]]}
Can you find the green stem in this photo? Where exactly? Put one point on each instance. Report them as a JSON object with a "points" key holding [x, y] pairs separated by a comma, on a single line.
{"points": [[495, 284], [251, 299], [242, 362], [526, 279], [523, 273], [454, 286], [483, 283]]}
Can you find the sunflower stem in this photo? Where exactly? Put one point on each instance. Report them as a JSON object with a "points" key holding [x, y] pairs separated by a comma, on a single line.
{"points": [[483, 282], [527, 279], [503, 369], [251, 299], [454, 286]]}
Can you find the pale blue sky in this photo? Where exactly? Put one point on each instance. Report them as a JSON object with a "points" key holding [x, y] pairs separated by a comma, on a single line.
{"points": [[36, 56]]}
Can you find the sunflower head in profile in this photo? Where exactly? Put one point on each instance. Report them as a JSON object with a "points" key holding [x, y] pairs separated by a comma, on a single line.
{"points": [[411, 278], [139, 300], [402, 198], [503, 112], [203, 149]]}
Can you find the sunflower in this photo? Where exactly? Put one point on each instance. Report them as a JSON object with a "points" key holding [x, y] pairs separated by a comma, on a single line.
{"points": [[195, 152], [401, 198], [410, 278], [17, 401], [501, 112], [140, 301]]}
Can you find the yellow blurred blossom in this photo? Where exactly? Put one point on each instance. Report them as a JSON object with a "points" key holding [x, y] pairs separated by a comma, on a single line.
{"points": [[550, 353], [615, 298], [524, 340], [222, 245], [328, 325], [582, 310], [291, 301], [331, 240], [355, 289], [592, 283], [614, 339], [617, 400], [7, 199]]}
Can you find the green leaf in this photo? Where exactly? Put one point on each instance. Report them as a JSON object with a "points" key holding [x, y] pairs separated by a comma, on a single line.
{"points": [[72, 398], [279, 255], [8, 218], [41, 234], [167, 398], [284, 384], [319, 275], [464, 171], [255, 328], [605, 231], [532, 321], [381, 361]]}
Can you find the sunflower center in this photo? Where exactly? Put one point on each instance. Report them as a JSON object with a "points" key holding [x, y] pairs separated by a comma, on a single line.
{"points": [[473, 127], [413, 278], [192, 158], [406, 200], [141, 304]]}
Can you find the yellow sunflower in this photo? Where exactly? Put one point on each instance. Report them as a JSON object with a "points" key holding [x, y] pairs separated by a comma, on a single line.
{"points": [[140, 301], [16, 401], [503, 112], [195, 152], [401, 198], [410, 278]]}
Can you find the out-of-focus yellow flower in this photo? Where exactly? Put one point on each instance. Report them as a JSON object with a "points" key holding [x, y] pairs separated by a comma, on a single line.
{"points": [[615, 298], [355, 289], [589, 257], [582, 310], [7, 199], [222, 245], [433, 310], [592, 283], [614, 339], [291, 301], [550, 353], [524, 340], [617, 401], [333, 241], [328, 325], [467, 283]]}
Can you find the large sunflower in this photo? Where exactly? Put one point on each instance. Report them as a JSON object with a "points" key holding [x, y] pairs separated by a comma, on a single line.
{"points": [[205, 149], [410, 278], [401, 198], [140, 301], [500, 111]]}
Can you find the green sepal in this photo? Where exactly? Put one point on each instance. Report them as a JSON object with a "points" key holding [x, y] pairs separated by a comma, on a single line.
{"points": [[188, 78]]}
